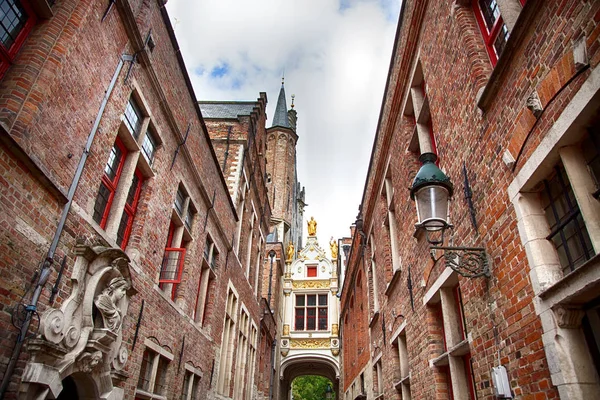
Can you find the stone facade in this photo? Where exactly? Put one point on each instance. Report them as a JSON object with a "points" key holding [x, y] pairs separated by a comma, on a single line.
{"points": [[158, 257], [513, 123]]}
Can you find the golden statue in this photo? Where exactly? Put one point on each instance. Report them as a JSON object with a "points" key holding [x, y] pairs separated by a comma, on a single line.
{"points": [[290, 252], [334, 248], [312, 227]]}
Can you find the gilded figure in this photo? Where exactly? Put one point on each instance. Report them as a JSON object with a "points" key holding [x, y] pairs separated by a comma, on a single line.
{"points": [[312, 227]]}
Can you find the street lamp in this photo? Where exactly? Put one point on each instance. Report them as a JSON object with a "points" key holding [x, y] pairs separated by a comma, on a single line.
{"points": [[431, 190], [328, 392]]}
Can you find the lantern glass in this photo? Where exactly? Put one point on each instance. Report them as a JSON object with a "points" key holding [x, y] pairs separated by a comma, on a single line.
{"points": [[432, 207]]}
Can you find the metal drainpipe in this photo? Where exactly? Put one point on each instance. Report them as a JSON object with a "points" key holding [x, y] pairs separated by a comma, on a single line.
{"points": [[271, 254], [273, 348], [227, 148], [46, 266]]}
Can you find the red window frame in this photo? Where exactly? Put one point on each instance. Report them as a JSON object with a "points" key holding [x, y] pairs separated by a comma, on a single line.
{"points": [[131, 208], [311, 315], [469, 375], [7, 56], [178, 271], [311, 271], [111, 185], [490, 35]]}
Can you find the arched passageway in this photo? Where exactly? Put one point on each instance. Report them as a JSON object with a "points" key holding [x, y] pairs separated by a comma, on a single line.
{"points": [[293, 367]]}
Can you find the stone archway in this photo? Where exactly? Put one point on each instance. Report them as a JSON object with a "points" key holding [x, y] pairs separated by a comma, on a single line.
{"points": [[293, 367], [78, 386]]}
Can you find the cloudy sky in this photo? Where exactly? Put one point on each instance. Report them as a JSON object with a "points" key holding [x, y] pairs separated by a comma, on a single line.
{"points": [[335, 55]]}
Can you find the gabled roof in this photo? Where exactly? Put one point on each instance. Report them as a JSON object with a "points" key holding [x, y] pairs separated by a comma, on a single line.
{"points": [[226, 109]]}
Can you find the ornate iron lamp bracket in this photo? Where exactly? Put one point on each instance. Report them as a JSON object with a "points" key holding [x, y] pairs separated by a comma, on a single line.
{"points": [[470, 262]]}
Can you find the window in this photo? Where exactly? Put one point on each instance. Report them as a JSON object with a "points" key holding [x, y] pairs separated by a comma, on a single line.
{"points": [[308, 315], [152, 381], [191, 381], [16, 21], [373, 275], [494, 30], [402, 367], [378, 378], [311, 271], [180, 199], [110, 179], [390, 221], [445, 303], [133, 118], [227, 346], [567, 230], [149, 146], [133, 197], [207, 276], [172, 266]]}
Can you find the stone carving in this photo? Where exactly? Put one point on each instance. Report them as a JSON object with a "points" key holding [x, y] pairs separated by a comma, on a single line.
{"points": [[334, 329], [108, 303], [534, 104], [312, 227], [84, 335], [87, 361], [310, 343], [568, 318], [286, 330], [313, 284]]}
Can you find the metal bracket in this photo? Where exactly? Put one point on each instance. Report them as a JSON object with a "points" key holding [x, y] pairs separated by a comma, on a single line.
{"points": [[470, 262]]}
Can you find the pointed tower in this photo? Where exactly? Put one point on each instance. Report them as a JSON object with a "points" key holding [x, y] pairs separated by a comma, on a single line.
{"points": [[281, 171]]}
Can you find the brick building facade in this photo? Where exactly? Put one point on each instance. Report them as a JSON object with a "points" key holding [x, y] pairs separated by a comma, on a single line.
{"points": [[505, 93], [152, 284]]}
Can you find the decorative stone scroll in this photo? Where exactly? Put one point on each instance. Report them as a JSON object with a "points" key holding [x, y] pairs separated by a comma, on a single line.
{"points": [[85, 334]]}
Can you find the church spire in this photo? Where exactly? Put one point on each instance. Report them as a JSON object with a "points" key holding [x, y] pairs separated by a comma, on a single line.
{"points": [[280, 118]]}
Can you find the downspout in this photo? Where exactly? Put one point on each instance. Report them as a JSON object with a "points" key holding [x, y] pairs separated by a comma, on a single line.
{"points": [[271, 255], [273, 347], [227, 148], [45, 271]]}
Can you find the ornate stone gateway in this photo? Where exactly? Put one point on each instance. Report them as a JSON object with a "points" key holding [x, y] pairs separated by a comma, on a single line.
{"points": [[310, 342], [79, 347]]}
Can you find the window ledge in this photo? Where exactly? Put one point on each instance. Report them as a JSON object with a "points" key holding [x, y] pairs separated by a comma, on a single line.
{"points": [[374, 319], [458, 350], [580, 286], [142, 394], [439, 361], [503, 65], [395, 279], [404, 381]]}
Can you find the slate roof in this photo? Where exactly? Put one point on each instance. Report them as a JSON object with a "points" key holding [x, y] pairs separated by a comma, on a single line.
{"points": [[226, 109], [280, 118]]}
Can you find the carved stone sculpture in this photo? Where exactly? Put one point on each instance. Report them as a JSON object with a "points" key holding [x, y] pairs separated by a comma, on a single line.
{"points": [[108, 303]]}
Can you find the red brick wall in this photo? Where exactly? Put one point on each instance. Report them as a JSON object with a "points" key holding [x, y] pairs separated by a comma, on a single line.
{"points": [[49, 100], [499, 311]]}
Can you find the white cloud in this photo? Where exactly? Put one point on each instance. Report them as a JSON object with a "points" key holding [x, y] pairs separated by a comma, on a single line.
{"points": [[336, 57]]}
